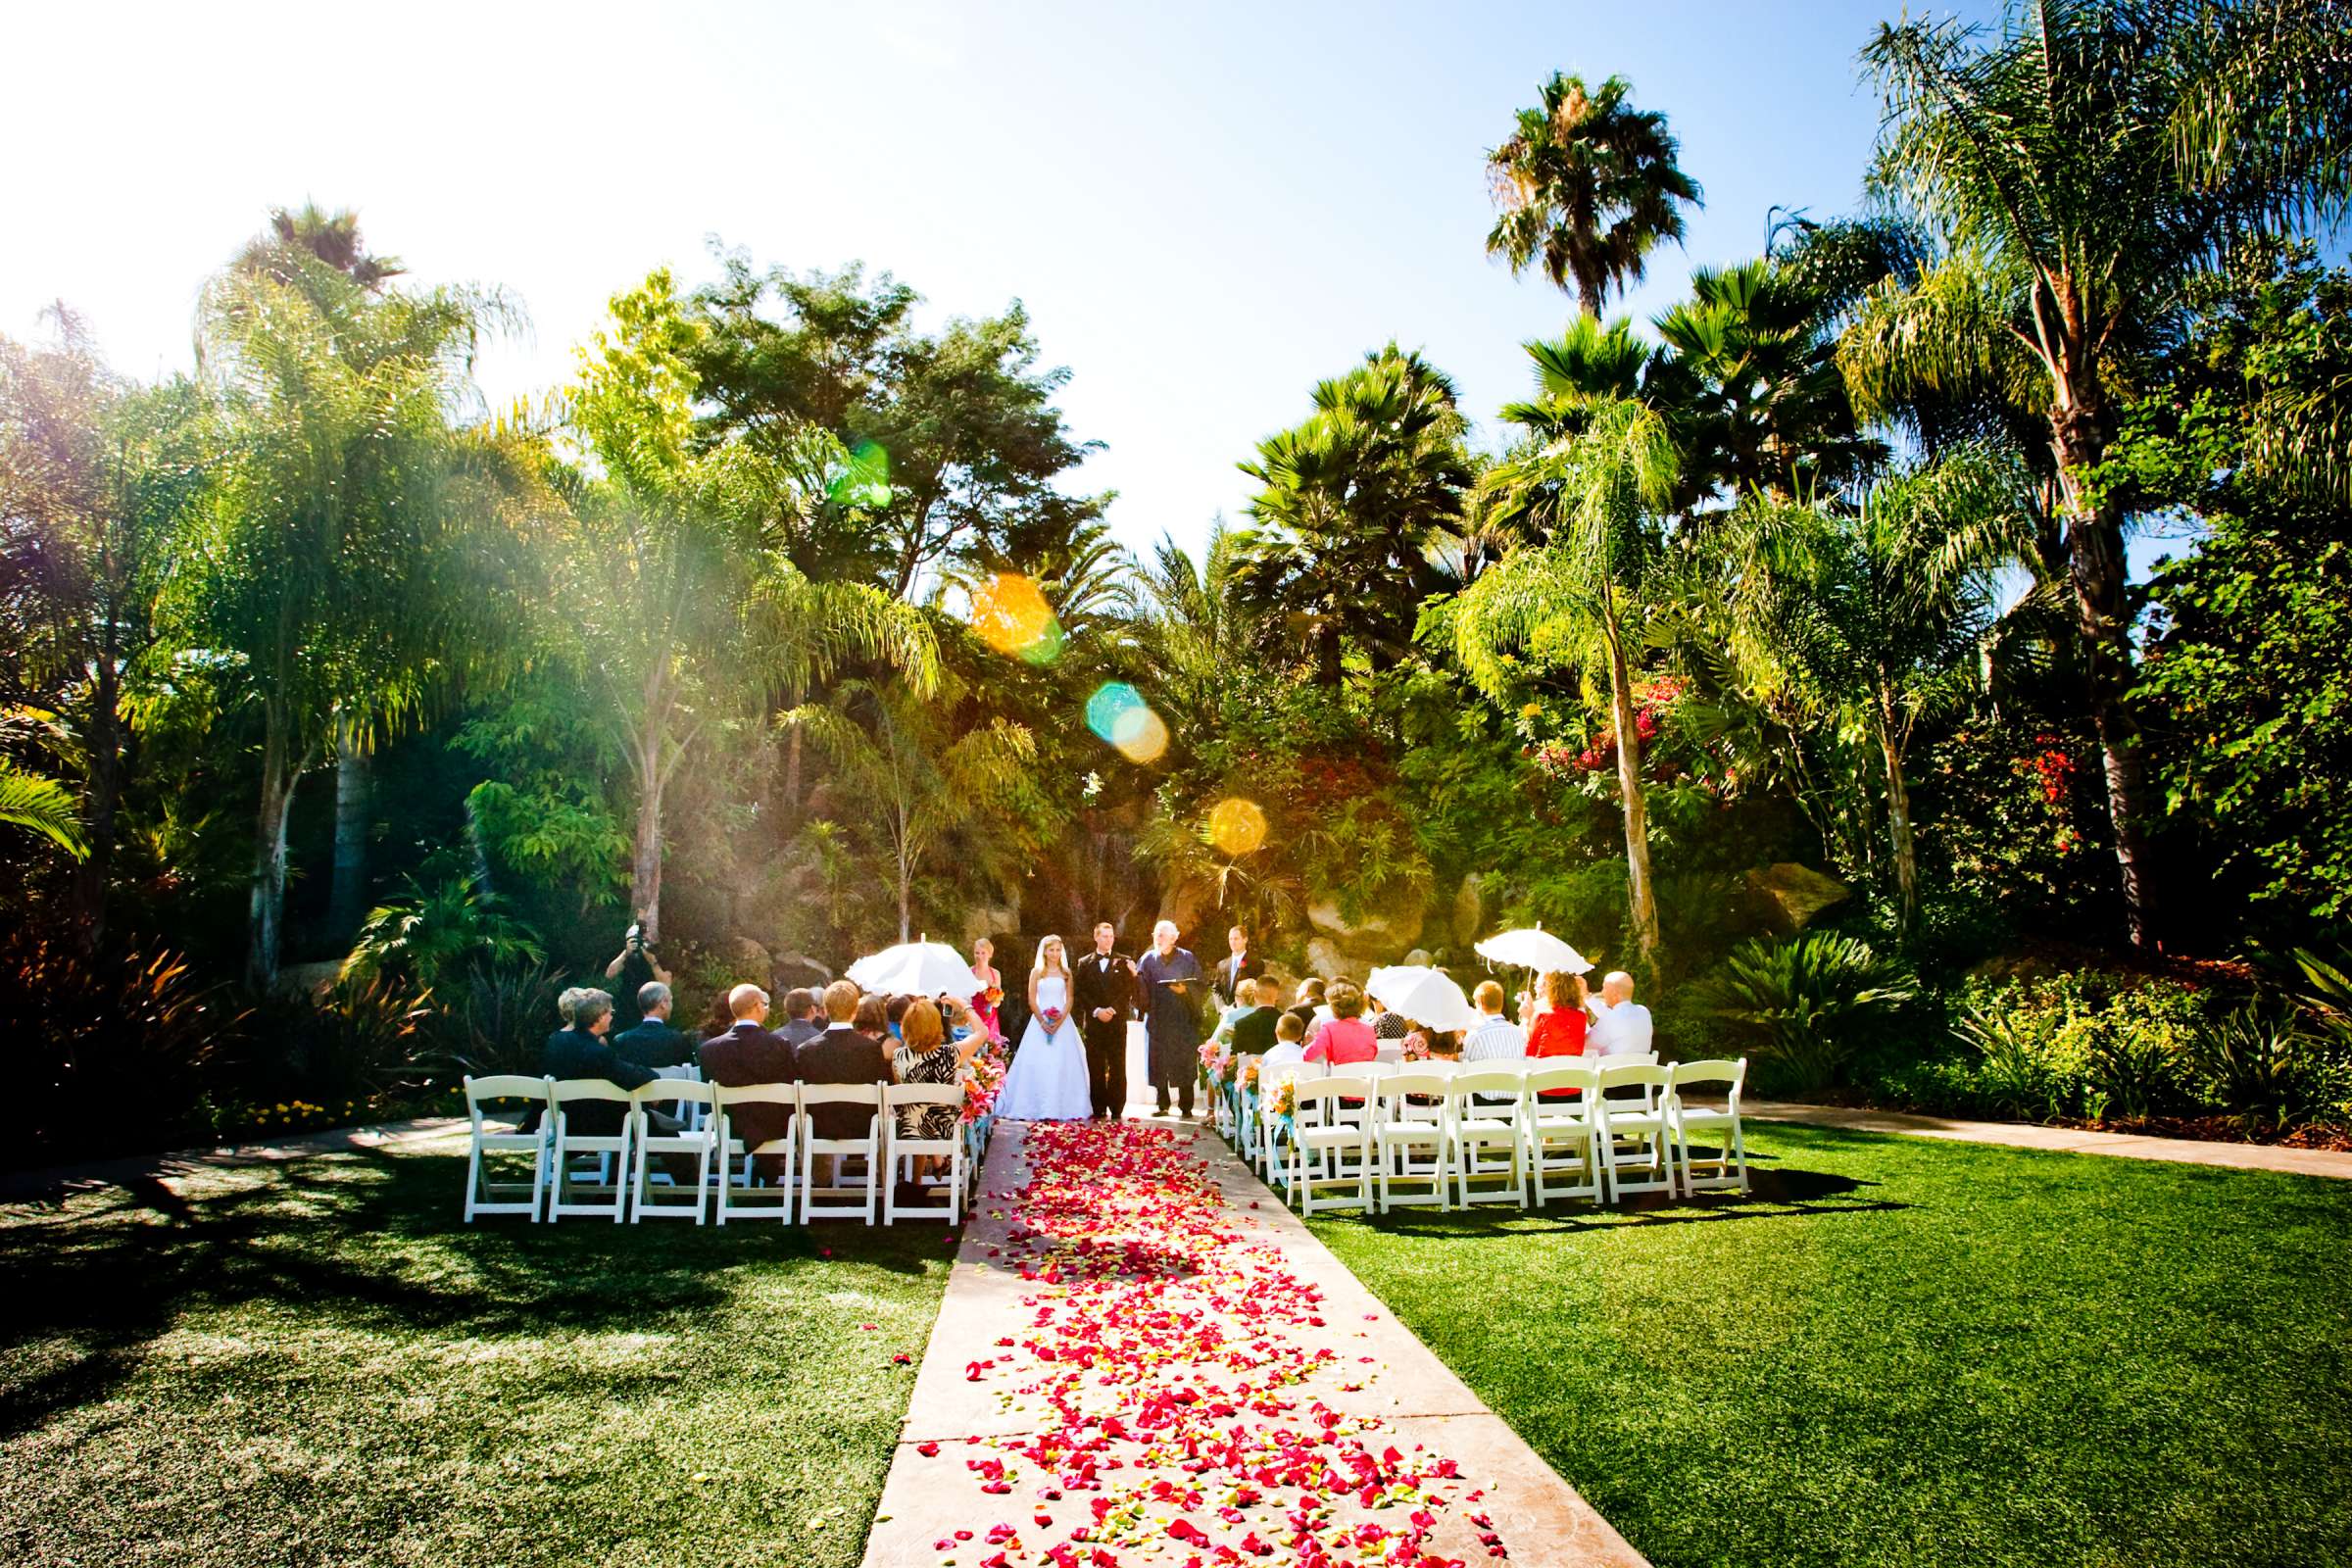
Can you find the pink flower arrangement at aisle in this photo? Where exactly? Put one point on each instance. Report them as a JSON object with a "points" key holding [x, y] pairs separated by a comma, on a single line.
{"points": [[982, 1079]]}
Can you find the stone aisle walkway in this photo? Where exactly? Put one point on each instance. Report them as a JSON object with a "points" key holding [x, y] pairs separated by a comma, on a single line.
{"points": [[2065, 1140], [1145, 1358]]}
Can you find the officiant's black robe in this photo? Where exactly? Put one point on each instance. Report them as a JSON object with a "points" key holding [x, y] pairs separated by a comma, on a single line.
{"points": [[1173, 989]]}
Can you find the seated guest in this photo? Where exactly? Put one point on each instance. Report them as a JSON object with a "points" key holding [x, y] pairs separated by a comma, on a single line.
{"points": [[1254, 1024], [800, 1015], [841, 1055], [653, 1042], [1310, 1000], [747, 1054], [1620, 1024], [1493, 1037], [1388, 1024], [1346, 1038], [873, 1019], [959, 1018], [1446, 1045], [579, 1049], [926, 1055], [896, 1011], [717, 1019], [1290, 1042]]}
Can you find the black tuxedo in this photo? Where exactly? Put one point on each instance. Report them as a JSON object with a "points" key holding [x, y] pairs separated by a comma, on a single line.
{"points": [[1231, 972], [1099, 982]]}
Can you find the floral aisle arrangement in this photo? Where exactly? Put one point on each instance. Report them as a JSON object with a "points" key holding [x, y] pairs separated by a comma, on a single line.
{"points": [[1183, 1379], [1216, 1056], [983, 1078]]}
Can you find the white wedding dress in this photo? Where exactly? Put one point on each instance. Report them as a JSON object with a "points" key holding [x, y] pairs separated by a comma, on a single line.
{"points": [[1046, 1080]]}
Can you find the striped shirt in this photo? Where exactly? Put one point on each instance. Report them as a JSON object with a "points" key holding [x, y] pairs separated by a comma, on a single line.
{"points": [[1496, 1040]]}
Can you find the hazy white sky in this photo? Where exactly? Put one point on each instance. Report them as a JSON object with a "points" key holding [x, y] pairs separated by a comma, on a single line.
{"points": [[1206, 207]]}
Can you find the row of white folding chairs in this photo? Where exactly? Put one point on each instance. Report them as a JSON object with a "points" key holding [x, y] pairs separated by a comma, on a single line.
{"points": [[1512, 1134], [624, 1188]]}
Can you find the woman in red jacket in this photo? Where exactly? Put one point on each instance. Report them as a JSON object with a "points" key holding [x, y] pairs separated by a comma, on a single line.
{"points": [[1559, 1029]]}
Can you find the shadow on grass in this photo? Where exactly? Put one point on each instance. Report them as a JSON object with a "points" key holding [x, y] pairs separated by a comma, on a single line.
{"points": [[1776, 1194], [366, 1241]]}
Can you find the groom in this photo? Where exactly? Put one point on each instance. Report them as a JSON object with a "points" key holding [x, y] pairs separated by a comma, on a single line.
{"points": [[1102, 996], [1173, 991]]}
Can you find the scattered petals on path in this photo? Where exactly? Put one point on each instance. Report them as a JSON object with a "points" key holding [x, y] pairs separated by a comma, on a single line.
{"points": [[1164, 1361]]}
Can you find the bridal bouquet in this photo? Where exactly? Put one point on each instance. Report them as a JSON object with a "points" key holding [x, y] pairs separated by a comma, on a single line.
{"points": [[1050, 1020]]}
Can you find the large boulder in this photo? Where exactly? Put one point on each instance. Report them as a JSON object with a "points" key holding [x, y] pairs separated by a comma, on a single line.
{"points": [[1341, 946], [1793, 894]]}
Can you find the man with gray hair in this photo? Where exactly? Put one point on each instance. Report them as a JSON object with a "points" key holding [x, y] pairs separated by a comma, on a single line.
{"points": [[580, 1050], [1621, 1026], [1171, 990], [653, 1041]]}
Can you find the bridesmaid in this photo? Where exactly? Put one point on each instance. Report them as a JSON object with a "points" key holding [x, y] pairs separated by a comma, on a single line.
{"points": [[989, 989]]}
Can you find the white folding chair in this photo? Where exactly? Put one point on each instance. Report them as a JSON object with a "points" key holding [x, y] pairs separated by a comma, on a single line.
{"points": [[1559, 1133], [1411, 1142], [1483, 1108], [1640, 1121], [610, 1151], [1273, 1133], [1730, 1164], [696, 1136], [736, 1160], [530, 1135], [909, 1150], [1331, 1146], [868, 1146]]}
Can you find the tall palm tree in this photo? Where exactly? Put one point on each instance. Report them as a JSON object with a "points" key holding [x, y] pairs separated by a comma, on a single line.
{"points": [[1347, 505], [1870, 622], [1587, 187], [41, 805], [2079, 167], [1576, 600]]}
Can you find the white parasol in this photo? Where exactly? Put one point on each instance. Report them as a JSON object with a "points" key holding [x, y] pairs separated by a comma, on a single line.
{"points": [[916, 969], [1425, 996], [1533, 949]]}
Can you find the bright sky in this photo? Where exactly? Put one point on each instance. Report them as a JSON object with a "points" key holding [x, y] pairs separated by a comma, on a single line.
{"points": [[1206, 208]]}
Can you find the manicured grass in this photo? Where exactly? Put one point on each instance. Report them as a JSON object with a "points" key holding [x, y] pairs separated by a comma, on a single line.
{"points": [[1917, 1353], [316, 1363]]}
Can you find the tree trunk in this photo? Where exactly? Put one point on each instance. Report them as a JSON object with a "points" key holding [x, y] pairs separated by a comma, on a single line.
{"points": [[109, 764], [2095, 569], [1898, 820], [355, 799], [1640, 898], [645, 871], [269, 906]]}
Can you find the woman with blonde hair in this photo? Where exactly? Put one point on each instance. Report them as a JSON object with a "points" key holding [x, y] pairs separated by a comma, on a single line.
{"points": [[1046, 1080]]}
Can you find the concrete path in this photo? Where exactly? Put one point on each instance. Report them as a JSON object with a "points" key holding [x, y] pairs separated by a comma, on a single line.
{"points": [[1143, 1357], [2066, 1140]]}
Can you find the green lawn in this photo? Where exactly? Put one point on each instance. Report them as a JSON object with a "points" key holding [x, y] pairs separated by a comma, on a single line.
{"points": [[1910, 1352], [316, 1363]]}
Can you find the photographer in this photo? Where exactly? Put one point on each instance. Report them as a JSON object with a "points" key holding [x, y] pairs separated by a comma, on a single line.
{"points": [[635, 967]]}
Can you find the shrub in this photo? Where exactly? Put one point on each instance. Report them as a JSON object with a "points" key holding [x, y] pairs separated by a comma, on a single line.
{"points": [[496, 1020], [428, 941], [1805, 1001], [358, 1040], [2083, 1044]]}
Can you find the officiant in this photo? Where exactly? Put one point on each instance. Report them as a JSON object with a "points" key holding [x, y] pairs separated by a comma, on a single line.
{"points": [[1174, 991]]}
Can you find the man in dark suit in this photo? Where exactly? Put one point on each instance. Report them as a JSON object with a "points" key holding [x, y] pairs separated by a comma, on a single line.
{"points": [[1253, 1027], [653, 1042], [800, 1022], [841, 1055], [580, 1050], [1102, 996], [1239, 964], [749, 1053]]}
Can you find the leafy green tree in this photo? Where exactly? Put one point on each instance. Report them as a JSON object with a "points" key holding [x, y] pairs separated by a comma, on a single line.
{"points": [[919, 790], [1587, 187], [327, 564], [96, 479], [677, 601], [1577, 603], [1348, 505], [2079, 168]]}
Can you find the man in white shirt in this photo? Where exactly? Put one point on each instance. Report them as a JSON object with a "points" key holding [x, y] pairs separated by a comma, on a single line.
{"points": [[1621, 1026], [1493, 1037]]}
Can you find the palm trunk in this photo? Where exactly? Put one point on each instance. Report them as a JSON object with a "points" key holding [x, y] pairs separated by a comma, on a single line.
{"points": [[355, 796], [1640, 898], [2095, 567], [1898, 816], [645, 870], [109, 763], [266, 936]]}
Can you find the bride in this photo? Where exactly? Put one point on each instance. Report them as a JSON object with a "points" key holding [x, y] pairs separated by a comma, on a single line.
{"points": [[1046, 1080]]}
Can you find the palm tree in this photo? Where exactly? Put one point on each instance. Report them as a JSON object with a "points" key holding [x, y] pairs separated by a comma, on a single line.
{"points": [[40, 804], [1575, 602], [2079, 169], [916, 788], [1588, 185], [1869, 623], [1350, 501]]}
